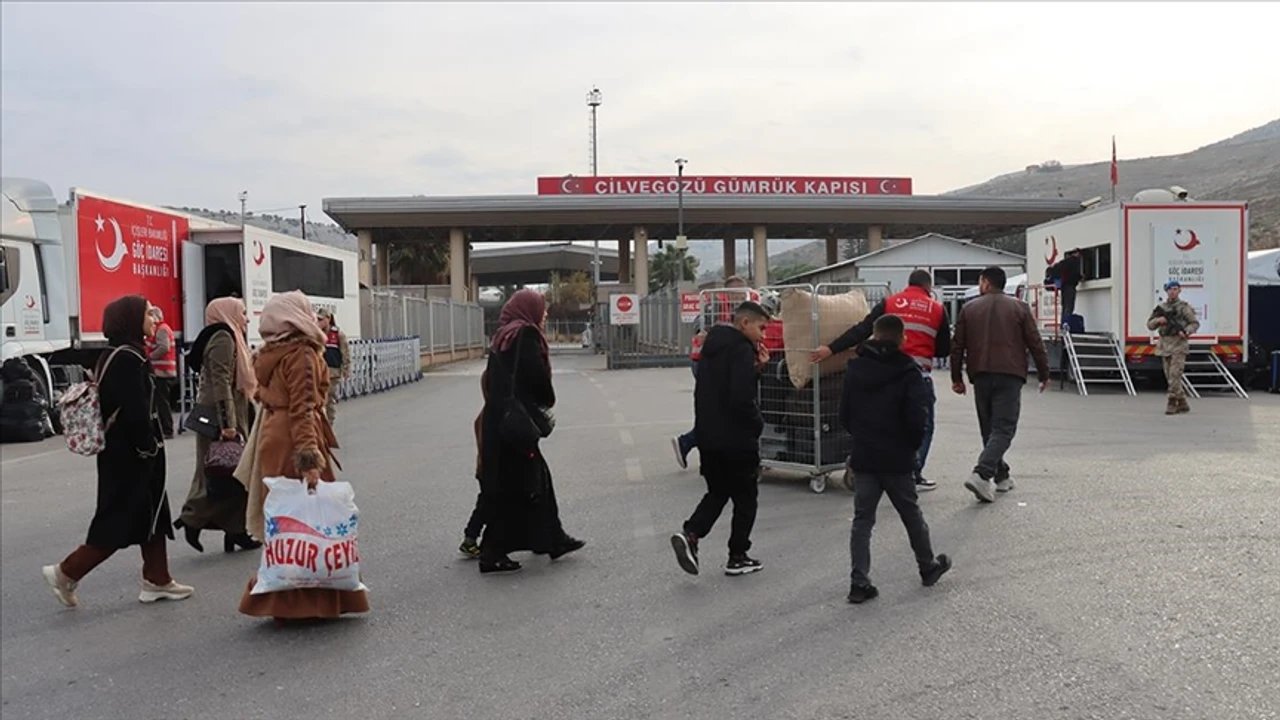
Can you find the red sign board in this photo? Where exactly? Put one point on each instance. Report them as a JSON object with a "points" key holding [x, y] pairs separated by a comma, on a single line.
{"points": [[126, 250], [624, 303], [690, 307], [722, 185]]}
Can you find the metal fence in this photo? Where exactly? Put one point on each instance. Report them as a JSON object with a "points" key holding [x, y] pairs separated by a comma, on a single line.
{"points": [[376, 365], [442, 325], [661, 339]]}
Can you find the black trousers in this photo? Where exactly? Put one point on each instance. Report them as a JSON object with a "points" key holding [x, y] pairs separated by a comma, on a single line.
{"points": [[1068, 301], [475, 525], [729, 476], [901, 489], [164, 389]]}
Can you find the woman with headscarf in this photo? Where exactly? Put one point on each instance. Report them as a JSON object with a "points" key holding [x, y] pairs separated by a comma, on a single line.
{"points": [[292, 439], [517, 495], [227, 383], [132, 507]]}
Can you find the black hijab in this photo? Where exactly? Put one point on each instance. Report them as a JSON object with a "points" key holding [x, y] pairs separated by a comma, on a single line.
{"points": [[122, 321]]}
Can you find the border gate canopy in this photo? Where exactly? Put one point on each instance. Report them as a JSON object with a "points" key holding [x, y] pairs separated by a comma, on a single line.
{"points": [[561, 218]]}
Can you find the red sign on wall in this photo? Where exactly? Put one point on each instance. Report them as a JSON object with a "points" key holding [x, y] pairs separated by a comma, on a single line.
{"points": [[722, 185], [125, 250]]}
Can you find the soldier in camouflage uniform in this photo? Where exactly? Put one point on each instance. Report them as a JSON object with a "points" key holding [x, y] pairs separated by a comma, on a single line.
{"points": [[1175, 321]]}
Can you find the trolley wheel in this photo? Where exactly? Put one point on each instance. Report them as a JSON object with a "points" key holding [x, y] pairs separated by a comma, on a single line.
{"points": [[818, 483]]}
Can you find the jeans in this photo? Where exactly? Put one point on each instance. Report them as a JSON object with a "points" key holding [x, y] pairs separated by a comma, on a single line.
{"points": [[999, 401], [689, 440], [730, 476], [922, 455], [901, 489]]}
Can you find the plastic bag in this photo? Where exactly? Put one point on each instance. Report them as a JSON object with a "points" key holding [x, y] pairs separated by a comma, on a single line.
{"points": [[310, 538]]}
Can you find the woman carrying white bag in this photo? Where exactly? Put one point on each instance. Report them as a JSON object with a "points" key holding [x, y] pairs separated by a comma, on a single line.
{"points": [[292, 442]]}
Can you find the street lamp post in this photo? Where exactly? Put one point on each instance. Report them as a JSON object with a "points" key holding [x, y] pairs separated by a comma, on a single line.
{"points": [[594, 100], [681, 242]]}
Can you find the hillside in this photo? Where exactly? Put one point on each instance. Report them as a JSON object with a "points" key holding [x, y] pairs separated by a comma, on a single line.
{"points": [[325, 233], [1243, 167]]}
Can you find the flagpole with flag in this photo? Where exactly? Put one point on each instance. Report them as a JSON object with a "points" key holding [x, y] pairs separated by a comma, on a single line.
{"points": [[1115, 169]]}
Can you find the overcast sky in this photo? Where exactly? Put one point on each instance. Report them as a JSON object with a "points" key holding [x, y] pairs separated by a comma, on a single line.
{"points": [[187, 104]]}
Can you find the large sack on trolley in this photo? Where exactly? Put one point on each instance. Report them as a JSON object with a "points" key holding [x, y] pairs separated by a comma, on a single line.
{"points": [[836, 314]]}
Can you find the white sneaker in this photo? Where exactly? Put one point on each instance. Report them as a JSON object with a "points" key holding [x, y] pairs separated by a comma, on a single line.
{"points": [[64, 588], [1005, 485], [984, 490], [173, 591]]}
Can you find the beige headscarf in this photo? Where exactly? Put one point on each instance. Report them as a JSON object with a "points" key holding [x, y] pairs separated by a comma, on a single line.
{"points": [[230, 311], [289, 315]]}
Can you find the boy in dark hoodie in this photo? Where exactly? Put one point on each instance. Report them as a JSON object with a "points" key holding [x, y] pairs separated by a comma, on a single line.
{"points": [[883, 407], [728, 424]]}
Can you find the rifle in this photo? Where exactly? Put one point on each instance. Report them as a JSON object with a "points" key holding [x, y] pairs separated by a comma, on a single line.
{"points": [[1173, 323]]}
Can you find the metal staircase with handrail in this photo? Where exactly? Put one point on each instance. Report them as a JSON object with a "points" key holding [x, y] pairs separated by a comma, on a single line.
{"points": [[1206, 371], [1096, 359]]}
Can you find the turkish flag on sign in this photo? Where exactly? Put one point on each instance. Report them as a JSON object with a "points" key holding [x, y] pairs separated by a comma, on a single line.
{"points": [[126, 250]]}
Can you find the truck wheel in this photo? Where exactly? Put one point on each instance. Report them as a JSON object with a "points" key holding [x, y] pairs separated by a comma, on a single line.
{"points": [[55, 419]]}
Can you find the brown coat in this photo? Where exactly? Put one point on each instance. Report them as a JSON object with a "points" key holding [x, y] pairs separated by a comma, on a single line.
{"points": [[292, 436], [994, 333], [293, 386]]}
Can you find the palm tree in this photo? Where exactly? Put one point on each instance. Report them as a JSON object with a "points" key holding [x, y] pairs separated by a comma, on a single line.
{"points": [[419, 263], [669, 267]]}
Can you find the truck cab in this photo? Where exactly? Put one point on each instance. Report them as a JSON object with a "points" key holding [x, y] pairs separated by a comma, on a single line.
{"points": [[33, 282]]}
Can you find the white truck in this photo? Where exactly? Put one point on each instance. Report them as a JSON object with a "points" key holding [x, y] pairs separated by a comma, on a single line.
{"points": [[1130, 250], [62, 264]]}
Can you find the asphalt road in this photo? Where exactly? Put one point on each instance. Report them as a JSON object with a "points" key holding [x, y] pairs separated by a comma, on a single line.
{"points": [[1133, 573]]}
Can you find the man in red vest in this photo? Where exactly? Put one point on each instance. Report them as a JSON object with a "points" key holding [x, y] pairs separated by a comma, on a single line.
{"points": [[163, 353], [928, 336]]}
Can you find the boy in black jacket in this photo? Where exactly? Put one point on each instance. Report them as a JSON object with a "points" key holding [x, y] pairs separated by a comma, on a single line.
{"points": [[883, 407], [728, 424]]}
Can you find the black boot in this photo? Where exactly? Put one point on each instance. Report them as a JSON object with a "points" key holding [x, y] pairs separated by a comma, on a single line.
{"points": [[192, 535], [230, 541]]}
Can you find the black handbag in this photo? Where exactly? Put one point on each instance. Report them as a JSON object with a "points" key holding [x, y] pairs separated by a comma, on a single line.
{"points": [[521, 426], [204, 420]]}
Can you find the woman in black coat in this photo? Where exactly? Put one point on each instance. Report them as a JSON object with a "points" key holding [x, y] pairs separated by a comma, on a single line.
{"points": [[132, 508], [518, 498]]}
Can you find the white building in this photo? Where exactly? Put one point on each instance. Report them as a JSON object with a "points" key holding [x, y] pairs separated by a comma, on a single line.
{"points": [[954, 263]]}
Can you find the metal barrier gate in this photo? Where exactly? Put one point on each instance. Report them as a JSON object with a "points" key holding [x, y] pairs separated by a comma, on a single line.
{"points": [[802, 430], [660, 339], [376, 365]]}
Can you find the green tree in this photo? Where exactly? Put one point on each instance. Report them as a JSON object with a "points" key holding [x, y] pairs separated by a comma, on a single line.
{"points": [[419, 263], [567, 297], [669, 267]]}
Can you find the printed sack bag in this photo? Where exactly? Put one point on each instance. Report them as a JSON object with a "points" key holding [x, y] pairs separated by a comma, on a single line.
{"points": [[310, 537], [81, 411]]}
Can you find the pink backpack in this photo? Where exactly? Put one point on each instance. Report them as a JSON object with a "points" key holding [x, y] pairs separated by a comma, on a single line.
{"points": [[81, 411]]}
